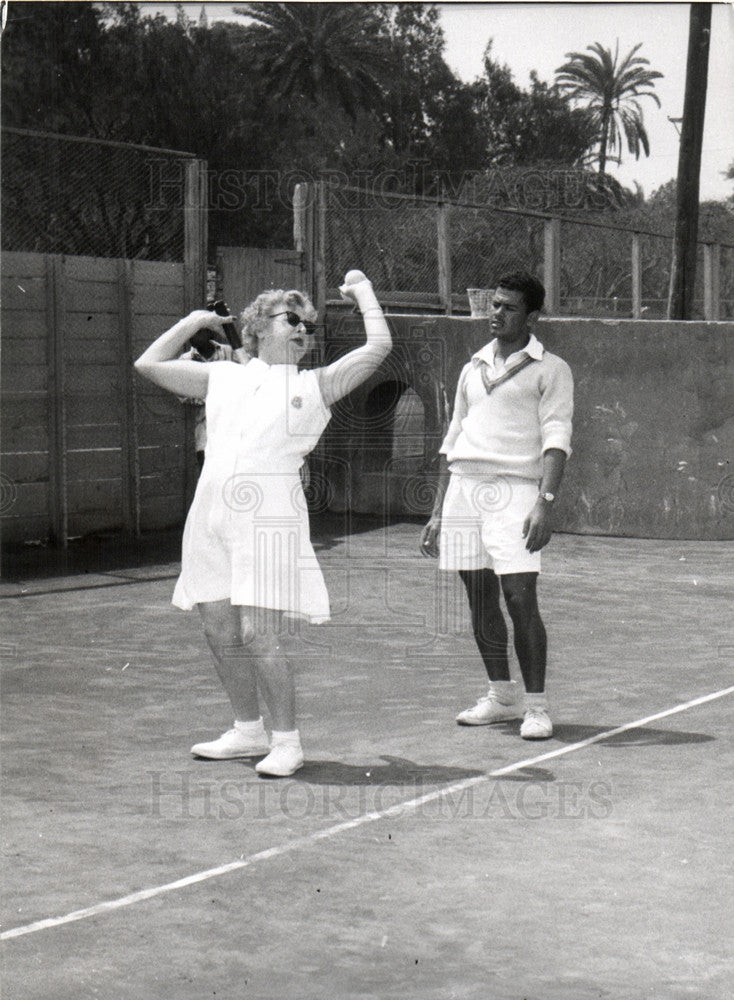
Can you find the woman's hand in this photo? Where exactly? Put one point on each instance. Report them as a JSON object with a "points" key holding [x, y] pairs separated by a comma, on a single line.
{"points": [[206, 319], [160, 362], [357, 289]]}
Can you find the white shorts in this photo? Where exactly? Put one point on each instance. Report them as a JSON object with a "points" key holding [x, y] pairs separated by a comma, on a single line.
{"points": [[482, 521]]}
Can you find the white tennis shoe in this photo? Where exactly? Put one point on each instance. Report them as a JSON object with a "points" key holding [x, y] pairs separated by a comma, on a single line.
{"points": [[230, 745], [487, 710], [536, 725], [283, 760]]}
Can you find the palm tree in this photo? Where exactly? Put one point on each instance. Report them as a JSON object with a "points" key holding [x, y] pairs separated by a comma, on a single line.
{"points": [[328, 52], [611, 90]]}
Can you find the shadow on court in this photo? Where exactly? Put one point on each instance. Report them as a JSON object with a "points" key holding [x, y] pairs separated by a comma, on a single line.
{"points": [[639, 737], [107, 551], [394, 865], [396, 771]]}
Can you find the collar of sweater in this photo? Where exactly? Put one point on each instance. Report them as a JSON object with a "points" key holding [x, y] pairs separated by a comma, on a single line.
{"points": [[488, 353]]}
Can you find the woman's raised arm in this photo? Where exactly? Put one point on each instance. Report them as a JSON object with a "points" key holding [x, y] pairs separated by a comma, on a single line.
{"points": [[346, 373], [160, 362]]}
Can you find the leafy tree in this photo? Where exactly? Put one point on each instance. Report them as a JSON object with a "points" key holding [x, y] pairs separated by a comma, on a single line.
{"points": [[417, 72], [430, 115], [611, 90], [51, 55], [111, 73], [715, 222], [729, 175], [332, 53], [523, 127]]}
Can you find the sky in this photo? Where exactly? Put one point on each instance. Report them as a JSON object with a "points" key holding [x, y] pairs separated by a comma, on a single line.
{"points": [[529, 36]]}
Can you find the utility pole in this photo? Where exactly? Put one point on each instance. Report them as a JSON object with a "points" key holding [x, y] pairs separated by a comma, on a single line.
{"points": [[683, 273]]}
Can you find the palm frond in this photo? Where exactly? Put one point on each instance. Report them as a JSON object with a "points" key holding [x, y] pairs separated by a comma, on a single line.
{"points": [[611, 89]]}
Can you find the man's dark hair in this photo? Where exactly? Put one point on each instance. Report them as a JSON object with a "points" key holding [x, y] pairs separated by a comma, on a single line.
{"points": [[532, 290]]}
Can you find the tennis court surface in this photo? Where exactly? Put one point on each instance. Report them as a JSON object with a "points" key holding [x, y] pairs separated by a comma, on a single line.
{"points": [[410, 859]]}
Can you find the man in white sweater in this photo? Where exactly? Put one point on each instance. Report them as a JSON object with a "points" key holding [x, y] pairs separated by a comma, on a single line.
{"points": [[501, 465]]}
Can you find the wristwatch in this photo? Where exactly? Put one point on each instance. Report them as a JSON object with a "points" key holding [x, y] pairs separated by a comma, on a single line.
{"points": [[548, 497]]}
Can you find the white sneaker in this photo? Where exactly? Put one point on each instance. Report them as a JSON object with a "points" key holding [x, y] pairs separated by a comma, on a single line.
{"points": [[232, 744], [284, 759], [536, 725], [487, 710]]}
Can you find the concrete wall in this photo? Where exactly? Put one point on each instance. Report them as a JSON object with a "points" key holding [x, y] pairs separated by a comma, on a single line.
{"points": [[653, 429], [87, 445]]}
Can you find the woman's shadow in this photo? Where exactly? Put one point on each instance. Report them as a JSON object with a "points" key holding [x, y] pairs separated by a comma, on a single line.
{"points": [[401, 771], [397, 771]]}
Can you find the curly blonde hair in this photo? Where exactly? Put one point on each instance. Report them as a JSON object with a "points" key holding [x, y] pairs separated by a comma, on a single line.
{"points": [[255, 317]]}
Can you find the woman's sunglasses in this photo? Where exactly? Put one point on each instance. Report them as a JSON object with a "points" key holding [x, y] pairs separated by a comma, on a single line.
{"points": [[295, 320]]}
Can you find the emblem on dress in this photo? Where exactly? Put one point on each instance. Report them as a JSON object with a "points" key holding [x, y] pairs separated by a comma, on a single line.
{"points": [[297, 402]]}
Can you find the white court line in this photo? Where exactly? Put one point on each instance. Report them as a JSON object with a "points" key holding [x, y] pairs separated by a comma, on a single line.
{"points": [[352, 824]]}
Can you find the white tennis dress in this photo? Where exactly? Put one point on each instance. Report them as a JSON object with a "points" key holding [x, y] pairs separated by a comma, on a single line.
{"points": [[247, 535]]}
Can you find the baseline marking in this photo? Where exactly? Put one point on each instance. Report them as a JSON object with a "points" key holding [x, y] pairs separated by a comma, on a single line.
{"points": [[333, 831]]}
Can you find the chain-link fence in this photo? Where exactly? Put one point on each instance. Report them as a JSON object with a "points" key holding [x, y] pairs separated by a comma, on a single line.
{"points": [[726, 282], [656, 255], [596, 270], [427, 253], [489, 243], [392, 239], [68, 195]]}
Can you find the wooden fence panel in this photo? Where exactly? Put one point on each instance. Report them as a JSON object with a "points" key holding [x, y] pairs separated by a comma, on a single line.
{"points": [[247, 271], [76, 418], [25, 418]]}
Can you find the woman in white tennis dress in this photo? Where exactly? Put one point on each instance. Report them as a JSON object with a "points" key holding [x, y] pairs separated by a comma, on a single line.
{"points": [[247, 560]]}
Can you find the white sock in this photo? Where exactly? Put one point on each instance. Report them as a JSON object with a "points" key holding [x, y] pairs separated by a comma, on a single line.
{"points": [[536, 701], [506, 691], [292, 736], [250, 728]]}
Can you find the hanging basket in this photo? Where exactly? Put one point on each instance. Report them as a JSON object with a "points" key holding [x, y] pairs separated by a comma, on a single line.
{"points": [[480, 301]]}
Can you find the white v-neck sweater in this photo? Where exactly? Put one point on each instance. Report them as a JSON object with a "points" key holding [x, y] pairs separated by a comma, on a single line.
{"points": [[506, 431]]}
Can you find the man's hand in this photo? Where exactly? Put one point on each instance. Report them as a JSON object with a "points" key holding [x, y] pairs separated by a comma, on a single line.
{"points": [[429, 537], [537, 529]]}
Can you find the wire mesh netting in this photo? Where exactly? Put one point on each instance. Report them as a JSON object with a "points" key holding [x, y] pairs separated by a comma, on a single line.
{"points": [[391, 239], [596, 270], [697, 307], [726, 283], [656, 258], [486, 244], [397, 240], [80, 196]]}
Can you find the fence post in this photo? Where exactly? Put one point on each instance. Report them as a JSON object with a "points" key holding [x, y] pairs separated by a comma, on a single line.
{"points": [[195, 275], [57, 500], [130, 469], [303, 202], [319, 255], [195, 233], [711, 280], [444, 256], [636, 277], [552, 265]]}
